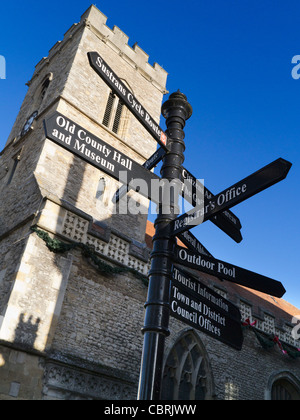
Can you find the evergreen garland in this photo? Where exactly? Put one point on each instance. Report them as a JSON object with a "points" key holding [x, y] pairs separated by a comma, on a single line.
{"points": [[58, 247], [268, 341]]}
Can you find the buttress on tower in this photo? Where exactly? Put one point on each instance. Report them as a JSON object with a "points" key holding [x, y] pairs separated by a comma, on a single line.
{"points": [[58, 314]]}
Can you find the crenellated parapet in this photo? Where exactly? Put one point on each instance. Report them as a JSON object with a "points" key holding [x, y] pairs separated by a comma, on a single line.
{"points": [[117, 40]]}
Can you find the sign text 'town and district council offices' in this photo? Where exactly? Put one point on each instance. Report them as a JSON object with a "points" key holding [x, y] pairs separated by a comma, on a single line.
{"points": [[203, 309]]}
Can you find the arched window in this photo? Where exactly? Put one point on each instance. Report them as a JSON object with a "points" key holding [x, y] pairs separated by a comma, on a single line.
{"points": [[108, 110], [187, 375], [45, 85], [16, 160], [41, 92], [284, 390]]}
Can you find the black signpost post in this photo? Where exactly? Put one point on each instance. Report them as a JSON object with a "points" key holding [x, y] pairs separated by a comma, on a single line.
{"points": [[173, 291], [156, 328]]}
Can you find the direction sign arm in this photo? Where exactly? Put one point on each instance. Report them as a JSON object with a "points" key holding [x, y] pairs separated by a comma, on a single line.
{"points": [[189, 240], [239, 192], [114, 82], [252, 185], [229, 272], [223, 223]]}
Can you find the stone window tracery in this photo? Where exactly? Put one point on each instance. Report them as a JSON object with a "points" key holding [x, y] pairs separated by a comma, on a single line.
{"points": [[187, 374]]}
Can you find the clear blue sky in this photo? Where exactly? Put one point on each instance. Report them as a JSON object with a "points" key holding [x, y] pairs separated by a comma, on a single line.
{"points": [[233, 61]]}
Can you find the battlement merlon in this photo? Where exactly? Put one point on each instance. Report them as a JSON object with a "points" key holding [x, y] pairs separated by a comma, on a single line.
{"points": [[115, 38]]}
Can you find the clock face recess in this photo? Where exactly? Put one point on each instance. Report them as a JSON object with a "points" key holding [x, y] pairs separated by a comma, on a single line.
{"points": [[29, 122]]}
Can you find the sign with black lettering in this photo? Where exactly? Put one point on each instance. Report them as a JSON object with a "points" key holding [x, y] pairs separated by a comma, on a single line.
{"points": [[113, 81], [195, 304], [229, 272], [239, 192], [98, 153]]}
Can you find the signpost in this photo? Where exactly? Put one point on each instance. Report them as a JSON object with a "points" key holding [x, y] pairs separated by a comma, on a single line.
{"points": [[157, 308], [239, 192], [195, 304], [114, 82], [172, 290]]}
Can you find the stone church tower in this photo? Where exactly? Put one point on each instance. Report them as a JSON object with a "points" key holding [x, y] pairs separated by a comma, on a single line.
{"points": [[62, 320]]}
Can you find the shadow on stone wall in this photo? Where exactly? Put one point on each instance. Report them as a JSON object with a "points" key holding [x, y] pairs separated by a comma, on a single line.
{"points": [[26, 331]]}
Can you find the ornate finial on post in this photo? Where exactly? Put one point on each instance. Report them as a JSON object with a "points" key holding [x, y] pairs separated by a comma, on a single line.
{"points": [[177, 100]]}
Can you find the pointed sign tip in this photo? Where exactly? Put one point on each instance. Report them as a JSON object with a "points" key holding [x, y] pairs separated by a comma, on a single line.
{"points": [[286, 166], [281, 291]]}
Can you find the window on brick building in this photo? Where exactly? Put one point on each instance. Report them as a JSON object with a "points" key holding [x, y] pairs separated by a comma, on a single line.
{"points": [[45, 85], [108, 110]]}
